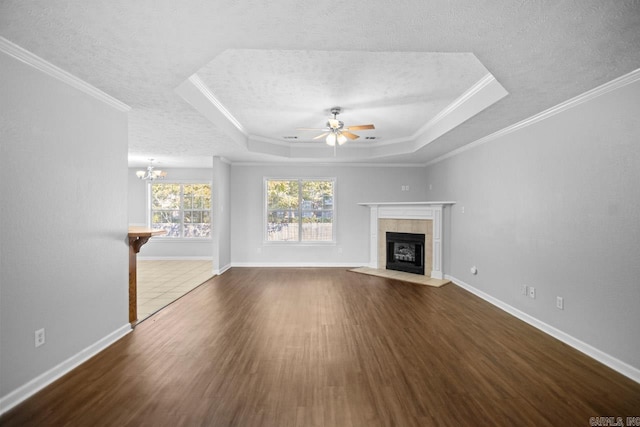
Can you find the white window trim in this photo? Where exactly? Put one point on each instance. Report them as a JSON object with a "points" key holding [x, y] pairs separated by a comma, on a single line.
{"points": [[166, 239], [265, 213]]}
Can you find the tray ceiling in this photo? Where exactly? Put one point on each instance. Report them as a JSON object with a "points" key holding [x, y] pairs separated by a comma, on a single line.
{"points": [[281, 65]]}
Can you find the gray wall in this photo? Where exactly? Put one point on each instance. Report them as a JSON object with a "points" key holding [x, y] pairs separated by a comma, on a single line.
{"points": [[555, 205], [138, 215], [64, 253], [354, 184]]}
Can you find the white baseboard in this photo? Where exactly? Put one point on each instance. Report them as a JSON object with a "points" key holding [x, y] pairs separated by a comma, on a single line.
{"points": [[298, 264], [222, 270], [599, 355], [23, 392], [174, 258]]}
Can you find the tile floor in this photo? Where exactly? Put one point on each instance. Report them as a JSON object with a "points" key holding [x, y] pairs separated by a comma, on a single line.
{"points": [[162, 282]]}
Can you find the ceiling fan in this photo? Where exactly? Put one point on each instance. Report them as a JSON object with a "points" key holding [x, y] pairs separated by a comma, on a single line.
{"points": [[336, 131]]}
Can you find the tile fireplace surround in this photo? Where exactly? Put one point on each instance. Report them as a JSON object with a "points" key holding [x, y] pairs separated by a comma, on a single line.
{"points": [[431, 211]]}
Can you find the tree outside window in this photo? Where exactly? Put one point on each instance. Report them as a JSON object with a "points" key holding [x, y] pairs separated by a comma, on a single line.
{"points": [[300, 210], [183, 210]]}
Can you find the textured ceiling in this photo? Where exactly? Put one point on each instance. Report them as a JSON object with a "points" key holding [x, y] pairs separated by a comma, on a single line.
{"points": [[541, 52], [273, 92]]}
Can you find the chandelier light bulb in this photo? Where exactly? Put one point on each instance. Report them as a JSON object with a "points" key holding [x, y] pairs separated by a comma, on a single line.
{"points": [[151, 174]]}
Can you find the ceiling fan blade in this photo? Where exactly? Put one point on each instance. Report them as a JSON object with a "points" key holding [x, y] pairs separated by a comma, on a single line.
{"points": [[361, 127], [312, 129], [350, 135], [322, 135]]}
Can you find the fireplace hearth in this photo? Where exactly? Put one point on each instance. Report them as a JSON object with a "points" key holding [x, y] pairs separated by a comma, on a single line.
{"points": [[405, 252]]}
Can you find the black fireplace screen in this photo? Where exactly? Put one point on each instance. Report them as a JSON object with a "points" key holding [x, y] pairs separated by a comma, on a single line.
{"points": [[405, 252]]}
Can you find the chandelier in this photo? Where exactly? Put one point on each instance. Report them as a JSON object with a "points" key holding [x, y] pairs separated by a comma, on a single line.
{"points": [[151, 173]]}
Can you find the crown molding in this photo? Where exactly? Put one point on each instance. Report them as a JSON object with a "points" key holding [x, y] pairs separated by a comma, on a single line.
{"points": [[312, 163], [459, 102], [48, 68], [204, 89], [273, 141], [614, 84]]}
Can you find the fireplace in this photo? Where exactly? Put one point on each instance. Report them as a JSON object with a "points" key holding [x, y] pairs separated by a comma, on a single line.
{"points": [[420, 217], [405, 252]]}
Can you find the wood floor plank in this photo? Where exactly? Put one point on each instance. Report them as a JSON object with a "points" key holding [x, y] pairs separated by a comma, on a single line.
{"points": [[326, 347]]}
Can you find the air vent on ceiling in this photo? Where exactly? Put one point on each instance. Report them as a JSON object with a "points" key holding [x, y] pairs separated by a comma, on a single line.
{"points": [[290, 137], [370, 137]]}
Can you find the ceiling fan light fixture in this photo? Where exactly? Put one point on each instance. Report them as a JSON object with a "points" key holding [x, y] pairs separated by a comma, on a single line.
{"points": [[334, 123], [336, 132]]}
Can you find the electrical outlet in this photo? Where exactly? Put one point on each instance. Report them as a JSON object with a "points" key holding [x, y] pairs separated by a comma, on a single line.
{"points": [[560, 303], [462, 209], [524, 290], [532, 292], [39, 337]]}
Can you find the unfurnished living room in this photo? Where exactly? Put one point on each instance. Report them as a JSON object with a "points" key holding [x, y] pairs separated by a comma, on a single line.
{"points": [[288, 213]]}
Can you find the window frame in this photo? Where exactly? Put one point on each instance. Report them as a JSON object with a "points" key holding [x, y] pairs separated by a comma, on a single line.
{"points": [[182, 183], [299, 242]]}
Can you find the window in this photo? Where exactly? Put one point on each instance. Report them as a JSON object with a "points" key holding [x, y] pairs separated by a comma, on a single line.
{"points": [[183, 210], [299, 210]]}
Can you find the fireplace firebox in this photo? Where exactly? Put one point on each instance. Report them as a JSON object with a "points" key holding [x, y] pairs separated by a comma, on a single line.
{"points": [[405, 252]]}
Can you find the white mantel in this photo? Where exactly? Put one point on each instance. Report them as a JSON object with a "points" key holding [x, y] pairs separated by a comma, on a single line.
{"points": [[408, 210]]}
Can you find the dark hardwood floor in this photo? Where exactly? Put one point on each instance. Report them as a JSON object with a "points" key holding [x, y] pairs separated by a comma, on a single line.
{"points": [[327, 347]]}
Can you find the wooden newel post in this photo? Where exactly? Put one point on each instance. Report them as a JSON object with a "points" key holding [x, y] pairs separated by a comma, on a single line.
{"points": [[138, 236]]}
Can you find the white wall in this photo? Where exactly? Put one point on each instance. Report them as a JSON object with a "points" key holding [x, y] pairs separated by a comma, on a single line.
{"points": [[156, 247], [221, 216], [556, 206], [354, 184], [63, 227]]}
